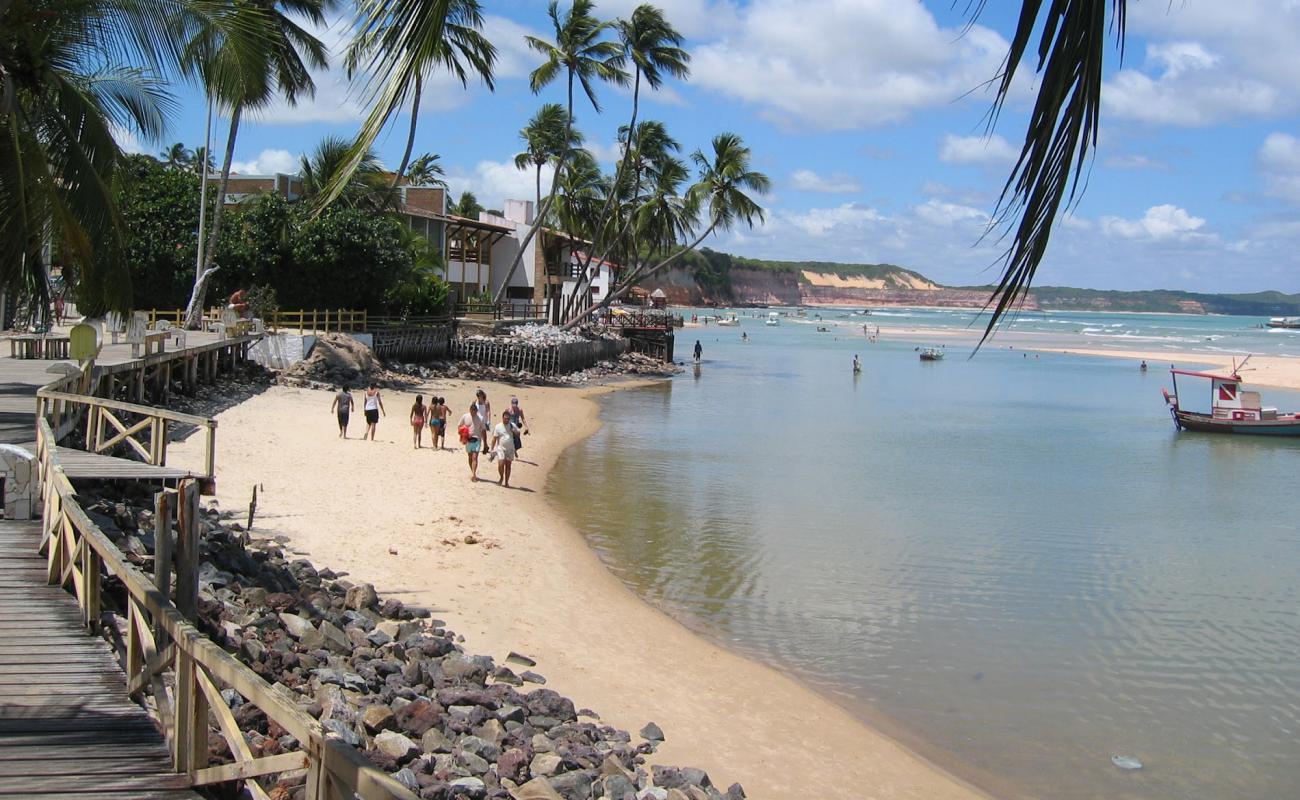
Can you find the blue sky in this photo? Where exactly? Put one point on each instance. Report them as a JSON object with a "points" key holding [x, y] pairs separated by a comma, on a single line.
{"points": [[869, 116]]}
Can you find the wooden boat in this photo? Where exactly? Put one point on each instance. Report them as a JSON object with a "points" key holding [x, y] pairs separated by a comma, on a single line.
{"points": [[731, 319], [1284, 322], [931, 354], [1232, 409], [773, 318]]}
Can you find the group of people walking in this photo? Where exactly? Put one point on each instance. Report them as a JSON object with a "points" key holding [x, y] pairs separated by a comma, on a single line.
{"points": [[501, 441]]}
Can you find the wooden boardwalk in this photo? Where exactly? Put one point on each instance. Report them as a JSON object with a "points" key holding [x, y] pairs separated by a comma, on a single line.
{"points": [[67, 727]]}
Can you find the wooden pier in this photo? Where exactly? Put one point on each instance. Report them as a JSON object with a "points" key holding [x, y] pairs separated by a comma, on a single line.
{"points": [[107, 689]]}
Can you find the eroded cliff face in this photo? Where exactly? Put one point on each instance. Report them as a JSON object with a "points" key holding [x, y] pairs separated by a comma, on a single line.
{"points": [[755, 287]]}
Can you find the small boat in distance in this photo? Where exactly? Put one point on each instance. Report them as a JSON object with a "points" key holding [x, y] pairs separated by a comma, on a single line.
{"points": [[1232, 409], [773, 318], [1284, 322], [729, 320], [931, 354]]}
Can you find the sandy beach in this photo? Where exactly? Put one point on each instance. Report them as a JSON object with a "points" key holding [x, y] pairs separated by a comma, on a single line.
{"points": [[398, 518]]}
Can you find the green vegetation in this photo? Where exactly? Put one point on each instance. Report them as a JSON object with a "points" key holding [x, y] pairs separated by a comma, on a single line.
{"points": [[872, 271]]}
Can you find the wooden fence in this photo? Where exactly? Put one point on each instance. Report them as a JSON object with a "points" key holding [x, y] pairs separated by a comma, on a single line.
{"points": [[317, 320], [415, 343], [544, 360], [109, 424], [166, 657], [503, 310]]}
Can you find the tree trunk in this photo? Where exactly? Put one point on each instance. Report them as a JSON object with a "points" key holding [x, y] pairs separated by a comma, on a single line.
{"points": [[555, 185], [636, 277], [194, 311], [410, 137], [618, 174]]}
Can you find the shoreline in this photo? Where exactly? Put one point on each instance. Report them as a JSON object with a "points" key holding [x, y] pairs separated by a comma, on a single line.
{"points": [[535, 586]]}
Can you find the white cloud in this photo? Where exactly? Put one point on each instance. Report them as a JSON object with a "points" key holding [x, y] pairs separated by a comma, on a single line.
{"points": [[1160, 223], [993, 150], [494, 182], [268, 162], [949, 215], [1210, 62], [693, 18], [808, 181], [843, 64], [821, 221], [1279, 161], [1133, 161], [126, 139]]}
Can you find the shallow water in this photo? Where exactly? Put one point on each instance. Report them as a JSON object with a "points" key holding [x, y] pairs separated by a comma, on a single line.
{"points": [[1015, 560]]}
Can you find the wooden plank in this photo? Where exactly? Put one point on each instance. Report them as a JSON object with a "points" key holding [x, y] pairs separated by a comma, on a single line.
{"points": [[82, 766], [106, 783]]}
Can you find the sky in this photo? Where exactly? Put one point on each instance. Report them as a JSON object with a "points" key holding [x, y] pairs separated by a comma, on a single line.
{"points": [[871, 119]]}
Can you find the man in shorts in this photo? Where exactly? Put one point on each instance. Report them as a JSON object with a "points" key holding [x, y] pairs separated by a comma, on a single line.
{"points": [[342, 405]]}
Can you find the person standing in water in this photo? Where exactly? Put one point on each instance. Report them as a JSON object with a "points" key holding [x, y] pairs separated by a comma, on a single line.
{"points": [[503, 447], [857, 365], [699, 351], [374, 405], [342, 406], [419, 416], [475, 438]]}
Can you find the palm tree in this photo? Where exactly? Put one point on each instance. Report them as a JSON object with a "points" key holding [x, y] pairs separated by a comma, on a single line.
{"points": [[467, 206], [201, 156], [1062, 128], [367, 188], [578, 204], [582, 54], [69, 71], [725, 177], [178, 155], [240, 83], [458, 43], [426, 171], [544, 138]]}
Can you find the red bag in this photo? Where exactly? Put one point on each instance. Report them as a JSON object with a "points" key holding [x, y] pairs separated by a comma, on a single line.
{"points": [[463, 430]]}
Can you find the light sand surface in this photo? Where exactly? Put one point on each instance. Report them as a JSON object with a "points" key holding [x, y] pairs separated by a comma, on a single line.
{"points": [[535, 587]]}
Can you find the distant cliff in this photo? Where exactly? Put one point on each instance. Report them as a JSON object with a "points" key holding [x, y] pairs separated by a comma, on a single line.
{"points": [[708, 277]]}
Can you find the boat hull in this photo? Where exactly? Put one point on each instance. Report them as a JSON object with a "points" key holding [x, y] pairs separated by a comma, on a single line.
{"points": [[1204, 423]]}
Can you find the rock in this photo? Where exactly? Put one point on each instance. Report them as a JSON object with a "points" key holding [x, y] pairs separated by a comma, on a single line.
{"points": [[652, 732], [511, 713], [472, 762], [575, 785], [680, 777], [396, 745], [344, 732], [652, 793], [549, 703], [362, 596], [419, 716], [536, 789], [617, 787], [504, 674], [472, 788], [296, 626], [676, 794], [531, 677], [378, 718], [335, 639], [545, 764], [435, 741], [513, 764], [407, 778], [491, 731], [735, 792]]}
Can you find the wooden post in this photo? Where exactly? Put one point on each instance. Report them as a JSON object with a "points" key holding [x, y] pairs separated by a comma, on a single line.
{"points": [[210, 451], [90, 580], [187, 551]]}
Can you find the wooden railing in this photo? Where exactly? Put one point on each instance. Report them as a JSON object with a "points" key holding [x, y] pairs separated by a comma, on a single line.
{"points": [[109, 423], [155, 635], [503, 310], [639, 320], [320, 320]]}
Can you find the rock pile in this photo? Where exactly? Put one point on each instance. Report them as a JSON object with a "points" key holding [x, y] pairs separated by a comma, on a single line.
{"points": [[625, 364], [394, 683], [543, 335], [340, 360]]}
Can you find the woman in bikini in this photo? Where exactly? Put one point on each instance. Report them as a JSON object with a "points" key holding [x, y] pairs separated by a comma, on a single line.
{"points": [[419, 415]]}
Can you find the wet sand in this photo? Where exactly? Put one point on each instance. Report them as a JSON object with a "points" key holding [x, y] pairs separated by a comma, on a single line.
{"points": [[398, 517]]}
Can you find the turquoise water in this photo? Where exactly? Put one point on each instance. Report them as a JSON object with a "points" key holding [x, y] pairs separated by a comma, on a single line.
{"points": [[1013, 562]]}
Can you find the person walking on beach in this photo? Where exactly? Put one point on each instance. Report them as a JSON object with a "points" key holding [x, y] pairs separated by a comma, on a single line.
{"points": [[516, 414], [58, 309], [504, 436], [484, 407], [473, 433], [437, 422], [419, 416], [374, 405], [342, 406], [699, 351]]}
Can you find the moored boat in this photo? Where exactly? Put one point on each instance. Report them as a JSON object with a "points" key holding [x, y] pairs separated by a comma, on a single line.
{"points": [[1284, 322], [1232, 408], [773, 318], [931, 354], [731, 319]]}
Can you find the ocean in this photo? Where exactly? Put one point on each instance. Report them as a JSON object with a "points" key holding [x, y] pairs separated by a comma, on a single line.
{"points": [[1011, 562]]}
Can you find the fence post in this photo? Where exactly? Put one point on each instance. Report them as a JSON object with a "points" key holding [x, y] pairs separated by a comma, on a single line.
{"points": [[187, 550]]}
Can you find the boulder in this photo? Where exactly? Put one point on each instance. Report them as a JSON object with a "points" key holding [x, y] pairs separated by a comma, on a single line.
{"points": [[536, 789], [396, 745], [378, 718], [296, 626], [362, 596], [419, 716], [472, 788], [549, 703], [545, 764], [652, 732]]}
